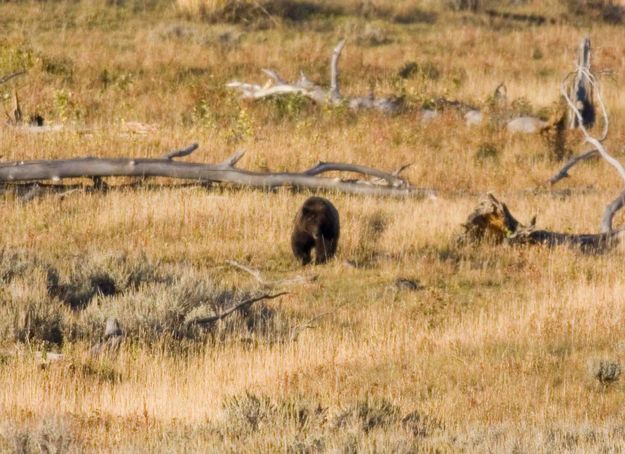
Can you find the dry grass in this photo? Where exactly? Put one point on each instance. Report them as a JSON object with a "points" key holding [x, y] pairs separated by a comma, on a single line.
{"points": [[490, 355]]}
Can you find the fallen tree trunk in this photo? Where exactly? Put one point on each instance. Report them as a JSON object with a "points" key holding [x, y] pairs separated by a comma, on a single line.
{"points": [[277, 86], [492, 221], [225, 172]]}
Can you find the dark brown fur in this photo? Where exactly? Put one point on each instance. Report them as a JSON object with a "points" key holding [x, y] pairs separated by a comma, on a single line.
{"points": [[316, 226]]}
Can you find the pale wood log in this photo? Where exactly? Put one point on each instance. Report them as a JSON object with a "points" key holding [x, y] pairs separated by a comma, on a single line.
{"points": [[225, 172], [316, 93]]}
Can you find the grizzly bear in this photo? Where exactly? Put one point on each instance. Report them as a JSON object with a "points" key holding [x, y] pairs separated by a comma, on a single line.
{"points": [[316, 226]]}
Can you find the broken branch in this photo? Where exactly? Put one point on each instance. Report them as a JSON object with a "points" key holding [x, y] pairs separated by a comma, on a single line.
{"points": [[182, 152], [322, 167], [564, 171], [316, 93], [8, 77], [262, 281], [243, 304], [610, 211]]}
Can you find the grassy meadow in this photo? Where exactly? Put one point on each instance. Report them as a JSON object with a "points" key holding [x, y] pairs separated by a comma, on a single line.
{"points": [[490, 351]]}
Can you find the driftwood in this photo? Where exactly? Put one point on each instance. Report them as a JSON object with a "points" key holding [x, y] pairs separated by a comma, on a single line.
{"points": [[225, 172], [242, 305], [492, 221], [277, 86]]}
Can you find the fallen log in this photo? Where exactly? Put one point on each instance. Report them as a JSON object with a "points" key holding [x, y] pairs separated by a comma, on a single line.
{"points": [[389, 185], [277, 86], [492, 221]]}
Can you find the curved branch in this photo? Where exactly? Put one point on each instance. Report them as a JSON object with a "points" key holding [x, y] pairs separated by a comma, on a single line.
{"points": [[564, 171], [182, 152], [245, 303], [274, 75], [322, 167], [335, 95], [591, 140], [610, 211], [8, 77]]}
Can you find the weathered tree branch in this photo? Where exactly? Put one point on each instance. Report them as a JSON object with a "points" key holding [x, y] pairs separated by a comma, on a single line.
{"points": [[392, 179], [612, 208], [264, 282], [225, 172], [335, 95], [564, 171], [610, 211], [182, 152], [243, 304], [277, 86], [8, 77]]}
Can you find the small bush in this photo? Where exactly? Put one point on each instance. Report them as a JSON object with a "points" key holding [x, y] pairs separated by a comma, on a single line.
{"points": [[486, 152], [367, 415], [44, 303], [249, 412], [261, 14], [289, 107], [427, 70], [50, 436], [370, 234]]}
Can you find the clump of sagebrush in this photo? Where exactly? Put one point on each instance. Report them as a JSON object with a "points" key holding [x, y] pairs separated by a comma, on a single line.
{"points": [[367, 414], [487, 152], [604, 370], [27, 312], [306, 426], [247, 413], [372, 230], [72, 300], [52, 435], [257, 13]]}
